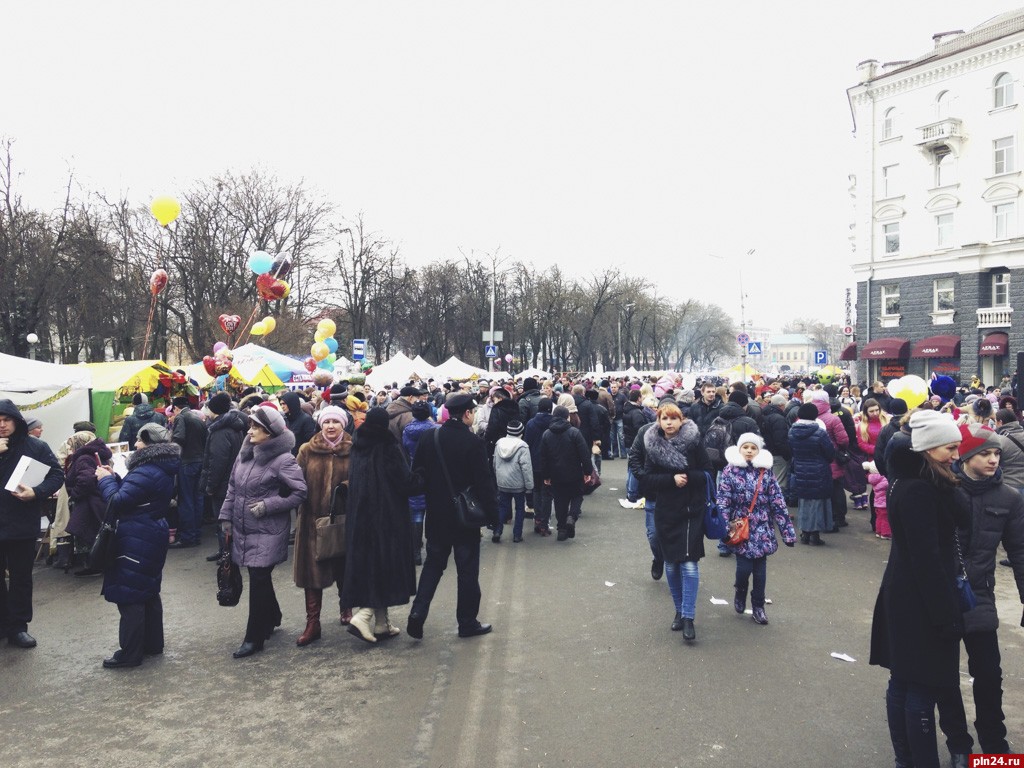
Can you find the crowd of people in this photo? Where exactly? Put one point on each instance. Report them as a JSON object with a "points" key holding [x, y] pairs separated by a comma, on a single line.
{"points": [[943, 481]]}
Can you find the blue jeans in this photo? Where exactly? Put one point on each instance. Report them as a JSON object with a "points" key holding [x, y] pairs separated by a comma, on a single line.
{"points": [[652, 534], [619, 440], [759, 567], [505, 499], [190, 502], [632, 487], [910, 710], [683, 581]]}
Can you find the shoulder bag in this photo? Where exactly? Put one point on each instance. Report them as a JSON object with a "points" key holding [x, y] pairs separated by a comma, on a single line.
{"points": [[739, 529], [330, 529], [715, 526], [468, 511], [104, 548], [964, 594], [594, 482]]}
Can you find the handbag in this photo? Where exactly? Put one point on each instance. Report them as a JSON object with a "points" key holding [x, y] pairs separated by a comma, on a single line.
{"points": [[330, 529], [104, 547], [229, 579], [842, 457], [715, 526], [964, 594], [468, 511], [739, 529], [593, 482]]}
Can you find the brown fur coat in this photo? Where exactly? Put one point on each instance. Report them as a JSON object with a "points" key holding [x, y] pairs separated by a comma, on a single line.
{"points": [[324, 469]]}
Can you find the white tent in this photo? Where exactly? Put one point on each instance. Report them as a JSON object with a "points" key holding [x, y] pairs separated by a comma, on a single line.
{"points": [[453, 368], [534, 373], [57, 395], [398, 369], [423, 369]]}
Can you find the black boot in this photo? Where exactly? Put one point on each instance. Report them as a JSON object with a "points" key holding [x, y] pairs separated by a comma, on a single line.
{"points": [[816, 539], [805, 537], [64, 552]]}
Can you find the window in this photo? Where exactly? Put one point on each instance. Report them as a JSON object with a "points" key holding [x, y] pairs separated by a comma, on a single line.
{"points": [[943, 167], [942, 105], [889, 123], [1002, 91], [944, 230], [1001, 289], [889, 185], [891, 233], [944, 294], [1003, 216], [1003, 155], [890, 299]]}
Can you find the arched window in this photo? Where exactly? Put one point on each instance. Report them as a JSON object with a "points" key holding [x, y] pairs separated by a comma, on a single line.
{"points": [[889, 123], [944, 167], [942, 105], [1002, 91]]}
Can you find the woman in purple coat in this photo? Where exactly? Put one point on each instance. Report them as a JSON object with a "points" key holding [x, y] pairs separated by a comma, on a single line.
{"points": [[87, 505], [266, 485]]}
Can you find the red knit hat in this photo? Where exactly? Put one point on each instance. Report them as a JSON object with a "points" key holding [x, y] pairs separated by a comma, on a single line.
{"points": [[976, 438]]}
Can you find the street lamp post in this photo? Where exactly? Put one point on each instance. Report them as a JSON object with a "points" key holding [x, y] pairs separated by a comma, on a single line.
{"points": [[32, 340]]}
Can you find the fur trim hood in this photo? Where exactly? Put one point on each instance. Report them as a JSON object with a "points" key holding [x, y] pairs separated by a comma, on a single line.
{"points": [[763, 460], [153, 454]]}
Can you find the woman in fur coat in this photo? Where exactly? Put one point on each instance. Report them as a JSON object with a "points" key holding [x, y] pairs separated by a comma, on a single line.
{"points": [[748, 488], [324, 461], [266, 485], [674, 475], [379, 572]]}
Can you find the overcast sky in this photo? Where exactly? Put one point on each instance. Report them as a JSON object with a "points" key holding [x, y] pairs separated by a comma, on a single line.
{"points": [[648, 135]]}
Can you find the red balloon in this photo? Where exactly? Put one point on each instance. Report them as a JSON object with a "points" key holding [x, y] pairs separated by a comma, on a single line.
{"points": [[210, 365], [270, 288], [157, 281], [310, 364], [229, 323]]}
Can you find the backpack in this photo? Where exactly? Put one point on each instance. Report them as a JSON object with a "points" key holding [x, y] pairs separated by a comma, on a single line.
{"points": [[716, 439]]}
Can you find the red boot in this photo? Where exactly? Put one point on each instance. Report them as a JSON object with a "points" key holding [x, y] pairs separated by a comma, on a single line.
{"points": [[314, 599]]}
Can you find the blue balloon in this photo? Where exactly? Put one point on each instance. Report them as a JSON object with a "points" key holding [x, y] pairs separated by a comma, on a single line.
{"points": [[260, 262], [332, 344], [325, 365]]}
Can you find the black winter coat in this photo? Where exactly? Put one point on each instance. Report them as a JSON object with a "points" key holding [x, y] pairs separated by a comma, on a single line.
{"points": [[917, 621], [189, 432], [810, 475], [739, 422], [140, 503], [378, 537], [87, 505], [884, 436], [20, 519], [704, 414], [564, 457], [299, 422], [141, 415], [996, 515], [633, 418], [465, 455], [535, 430], [223, 441], [678, 512], [528, 405], [775, 431], [503, 413], [590, 419]]}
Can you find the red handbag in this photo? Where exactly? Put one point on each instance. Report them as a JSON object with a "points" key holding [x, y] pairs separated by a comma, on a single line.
{"points": [[739, 528]]}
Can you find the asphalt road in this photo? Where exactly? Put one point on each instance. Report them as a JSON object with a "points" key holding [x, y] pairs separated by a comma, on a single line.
{"points": [[581, 669]]}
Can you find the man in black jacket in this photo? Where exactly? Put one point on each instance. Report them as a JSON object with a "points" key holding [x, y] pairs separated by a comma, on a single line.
{"points": [[528, 400], [564, 466], [465, 458], [142, 414], [590, 426], [20, 514], [299, 422], [703, 411], [535, 430], [620, 448], [189, 432], [633, 418], [503, 412], [223, 441], [776, 438]]}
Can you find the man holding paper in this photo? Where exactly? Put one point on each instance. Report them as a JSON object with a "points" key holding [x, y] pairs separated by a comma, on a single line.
{"points": [[19, 518]]}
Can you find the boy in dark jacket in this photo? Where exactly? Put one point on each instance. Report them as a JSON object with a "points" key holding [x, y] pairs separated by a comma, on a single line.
{"points": [[564, 465], [535, 430]]}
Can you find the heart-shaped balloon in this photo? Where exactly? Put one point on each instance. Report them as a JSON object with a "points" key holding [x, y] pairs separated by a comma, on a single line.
{"points": [[270, 288], [157, 281], [210, 365], [229, 323]]}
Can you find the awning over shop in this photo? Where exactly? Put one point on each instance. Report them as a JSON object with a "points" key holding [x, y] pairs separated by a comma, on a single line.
{"points": [[994, 345], [937, 346], [885, 349], [849, 352]]}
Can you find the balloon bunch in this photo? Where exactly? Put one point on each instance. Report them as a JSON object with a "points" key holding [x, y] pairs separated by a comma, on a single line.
{"points": [[324, 349], [913, 390], [270, 285], [221, 361], [164, 210]]}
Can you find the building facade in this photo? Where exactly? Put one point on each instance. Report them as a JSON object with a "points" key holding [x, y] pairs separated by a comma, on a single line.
{"points": [[938, 251]]}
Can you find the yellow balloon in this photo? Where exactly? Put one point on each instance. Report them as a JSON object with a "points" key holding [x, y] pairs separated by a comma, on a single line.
{"points": [[911, 389], [319, 351], [269, 324], [327, 326], [319, 335], [258, 329], [165, 209], [287, 289]]}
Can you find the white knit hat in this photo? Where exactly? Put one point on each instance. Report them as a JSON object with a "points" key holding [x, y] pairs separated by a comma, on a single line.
{"points": [[751, 437], [930, 429]]}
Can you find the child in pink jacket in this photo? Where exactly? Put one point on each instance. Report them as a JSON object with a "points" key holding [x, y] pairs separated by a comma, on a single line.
{"points": [[880, 485]]}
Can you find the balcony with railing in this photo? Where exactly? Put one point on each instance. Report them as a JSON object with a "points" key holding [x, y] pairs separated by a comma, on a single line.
{"points": [[994, 317], [948, 132]]}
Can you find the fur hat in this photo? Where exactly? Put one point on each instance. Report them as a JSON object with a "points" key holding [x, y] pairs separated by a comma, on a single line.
{"points": [[268, 418], [930, 429], [219, 403], [976, 438], [751, 437], [153, 433]]}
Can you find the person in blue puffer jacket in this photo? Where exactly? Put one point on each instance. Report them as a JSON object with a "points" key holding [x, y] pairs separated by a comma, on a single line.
{"points": [[140, 502]]}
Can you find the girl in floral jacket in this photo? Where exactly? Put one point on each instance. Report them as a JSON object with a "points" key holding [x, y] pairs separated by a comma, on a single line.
{"points": [[748, 488]]}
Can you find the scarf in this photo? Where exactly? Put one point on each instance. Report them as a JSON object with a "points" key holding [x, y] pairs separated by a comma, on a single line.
{"points": [[670, 453]]}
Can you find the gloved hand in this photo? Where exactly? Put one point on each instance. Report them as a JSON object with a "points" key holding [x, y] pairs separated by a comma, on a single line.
{"points": [[259, 509], [951, 631]]}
